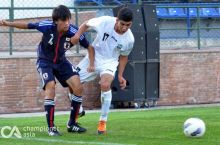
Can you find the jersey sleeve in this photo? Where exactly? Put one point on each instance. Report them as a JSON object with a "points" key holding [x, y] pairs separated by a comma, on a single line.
{"points": [[127, 50], [83, 41], [97, 23], [41, 26], [129, 46]]}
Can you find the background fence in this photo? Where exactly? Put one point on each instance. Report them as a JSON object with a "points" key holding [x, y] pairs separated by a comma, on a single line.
{"points": [[182, 26]]}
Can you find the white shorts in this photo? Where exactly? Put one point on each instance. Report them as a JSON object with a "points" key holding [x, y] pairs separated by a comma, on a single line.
{"points": [[104, 68]]}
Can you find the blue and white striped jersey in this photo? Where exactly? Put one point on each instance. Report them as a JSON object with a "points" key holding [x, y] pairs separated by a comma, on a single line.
{"points": [[54, 45]]}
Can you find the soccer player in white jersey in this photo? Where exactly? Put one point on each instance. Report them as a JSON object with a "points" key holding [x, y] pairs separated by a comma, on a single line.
{"points": [[112, 45]]}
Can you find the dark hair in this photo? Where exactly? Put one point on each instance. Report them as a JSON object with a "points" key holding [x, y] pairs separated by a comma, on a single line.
{"points": [[61, 12], [125, 14]]}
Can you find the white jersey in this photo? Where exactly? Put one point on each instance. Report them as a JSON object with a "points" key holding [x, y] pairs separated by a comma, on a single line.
{"points": [[108, 44]]}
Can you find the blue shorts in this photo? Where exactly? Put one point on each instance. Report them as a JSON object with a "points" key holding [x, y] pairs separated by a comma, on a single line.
{"points": [[62, 71]]}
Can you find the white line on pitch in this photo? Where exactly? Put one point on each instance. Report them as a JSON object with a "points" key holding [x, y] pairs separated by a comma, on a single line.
{"points": [[36, 114], [66, 141]]}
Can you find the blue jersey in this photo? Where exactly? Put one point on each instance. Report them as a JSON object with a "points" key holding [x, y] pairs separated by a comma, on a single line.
{"points": [[54, 45]]}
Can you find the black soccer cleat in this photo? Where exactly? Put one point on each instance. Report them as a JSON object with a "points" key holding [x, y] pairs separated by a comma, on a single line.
{"points": [[81, 114], [76, 128], [52, 131]]}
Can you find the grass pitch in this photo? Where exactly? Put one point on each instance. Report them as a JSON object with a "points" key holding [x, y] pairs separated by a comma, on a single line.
{"points": [[148, 127]]}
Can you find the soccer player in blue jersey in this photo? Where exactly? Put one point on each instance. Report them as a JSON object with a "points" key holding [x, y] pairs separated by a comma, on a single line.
{"points": [[52, 63]]}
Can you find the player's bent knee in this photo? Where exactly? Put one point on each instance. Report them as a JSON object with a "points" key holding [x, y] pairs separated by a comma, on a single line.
{"points": [[105, 86], [50, 85]]}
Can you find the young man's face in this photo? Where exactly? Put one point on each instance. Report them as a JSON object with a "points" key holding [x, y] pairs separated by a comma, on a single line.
{"points": [[63, 25], [122, 26]]}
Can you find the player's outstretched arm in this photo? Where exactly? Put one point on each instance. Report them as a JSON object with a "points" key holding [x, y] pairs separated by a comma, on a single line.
{"points": [[82, 29], [91, 53], [19, 25], [121, 67]]}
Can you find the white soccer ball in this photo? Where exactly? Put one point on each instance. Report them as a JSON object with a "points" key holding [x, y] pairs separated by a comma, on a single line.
{"points": [[194, 127]]}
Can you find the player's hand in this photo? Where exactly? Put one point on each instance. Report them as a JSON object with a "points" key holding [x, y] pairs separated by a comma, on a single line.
{"points": [[3, 23], [91, 68], [122, 82], [75, 39]]}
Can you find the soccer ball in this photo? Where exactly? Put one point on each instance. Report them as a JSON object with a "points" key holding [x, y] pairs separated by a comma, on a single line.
{"points": [[194, 127]]}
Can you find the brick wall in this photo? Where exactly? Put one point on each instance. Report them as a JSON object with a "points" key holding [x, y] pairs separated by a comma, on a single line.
{"points": [[20, 89], [189, 77], [186, 77]]}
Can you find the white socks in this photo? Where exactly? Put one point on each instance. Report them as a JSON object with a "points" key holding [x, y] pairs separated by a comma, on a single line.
{"points": [[106, 98]]}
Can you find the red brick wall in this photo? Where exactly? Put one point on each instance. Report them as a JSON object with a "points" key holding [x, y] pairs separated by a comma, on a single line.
{"points": [[186, 77], [20, 89], [189, 77]]}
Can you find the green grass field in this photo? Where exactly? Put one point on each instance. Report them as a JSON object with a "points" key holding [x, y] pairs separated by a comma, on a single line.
{"points": [[149, 127]]}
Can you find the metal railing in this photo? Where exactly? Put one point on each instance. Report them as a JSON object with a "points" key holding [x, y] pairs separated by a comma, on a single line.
{"points": [[171, 38], [12, 9]]}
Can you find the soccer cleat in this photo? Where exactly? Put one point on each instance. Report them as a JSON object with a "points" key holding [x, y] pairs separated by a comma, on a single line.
{"points": [[81, 114], [76, 128], [101, 127], [52, 131]]}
